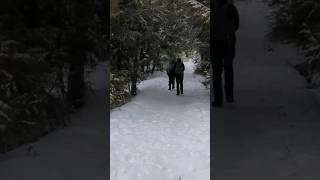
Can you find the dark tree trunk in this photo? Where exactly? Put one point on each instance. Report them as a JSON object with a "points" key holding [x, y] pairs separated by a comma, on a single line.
{"points": [[153, 67], [119, 62], [134, 75], [78, 47], [76, 84], [31, 13], [61, 82]]}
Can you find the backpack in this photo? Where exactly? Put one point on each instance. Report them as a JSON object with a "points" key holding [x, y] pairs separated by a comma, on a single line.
{"points": [[170, 68], [179, 68]]}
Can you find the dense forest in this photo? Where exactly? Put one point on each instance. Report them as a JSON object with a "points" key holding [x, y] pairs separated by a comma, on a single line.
{"points": [[297, 21], [147, 34], [48, 46], [46, 49]]}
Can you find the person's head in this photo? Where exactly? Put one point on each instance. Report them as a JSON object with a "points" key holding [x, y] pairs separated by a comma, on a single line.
{"points": [[179, 60]]}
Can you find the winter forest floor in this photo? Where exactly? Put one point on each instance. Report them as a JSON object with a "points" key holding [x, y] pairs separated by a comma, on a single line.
{"points": [[272, 131], [161, 136]]}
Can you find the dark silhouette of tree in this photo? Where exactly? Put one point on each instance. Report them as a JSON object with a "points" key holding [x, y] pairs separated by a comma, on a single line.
{"points": [[45, 47]]}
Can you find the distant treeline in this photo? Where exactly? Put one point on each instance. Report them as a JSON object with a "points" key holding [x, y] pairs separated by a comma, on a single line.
{"points": [[146, 35]]}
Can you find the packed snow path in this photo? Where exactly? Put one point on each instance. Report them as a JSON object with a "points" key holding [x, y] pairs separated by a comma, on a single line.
{"points": [[77, 152], [161, 136], [273, 129]]}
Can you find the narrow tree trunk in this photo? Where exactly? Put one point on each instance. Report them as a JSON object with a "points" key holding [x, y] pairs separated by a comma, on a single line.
{"points": [[61, 82], [134, 77], [31, 13], [76, 84], [153, 67], [159, 60], [135, 70]]}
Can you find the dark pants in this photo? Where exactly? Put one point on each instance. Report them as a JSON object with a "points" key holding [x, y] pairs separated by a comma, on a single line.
{"points": [[179, 79], [171, 81], [223, 55]]}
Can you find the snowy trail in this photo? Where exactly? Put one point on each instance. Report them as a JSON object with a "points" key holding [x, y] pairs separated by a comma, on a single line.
{"points": [[272, 131], [77, 152], [161, 136]]}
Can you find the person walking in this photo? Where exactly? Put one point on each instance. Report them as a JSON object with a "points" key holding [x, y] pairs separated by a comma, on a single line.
{"points": [[179, 70], [225, 25], [171, 74]]}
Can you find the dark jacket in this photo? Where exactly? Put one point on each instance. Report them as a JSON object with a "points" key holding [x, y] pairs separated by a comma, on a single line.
{"points": [[226, 22], [179, 68], [171, 69]]}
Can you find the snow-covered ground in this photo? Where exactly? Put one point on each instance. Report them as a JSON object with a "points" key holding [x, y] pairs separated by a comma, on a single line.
{"points": [[161, 136], [273, 129], [77, 152]]}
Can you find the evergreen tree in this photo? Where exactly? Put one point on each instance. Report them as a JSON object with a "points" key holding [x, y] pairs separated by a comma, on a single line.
{"points": [[297, 21], [45, 46]]}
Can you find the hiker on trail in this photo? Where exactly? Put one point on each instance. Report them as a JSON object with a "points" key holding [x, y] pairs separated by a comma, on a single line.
{"points": [[171, 74], [225, 25], [179, 70]]}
